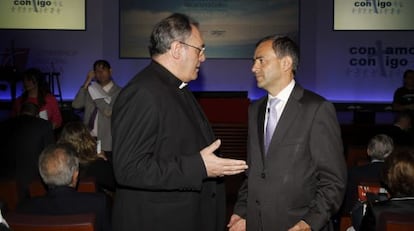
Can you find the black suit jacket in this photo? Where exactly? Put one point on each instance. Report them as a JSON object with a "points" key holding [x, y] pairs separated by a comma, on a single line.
{"points": [[371, 172], [66, 200], [23, 139], [303, 175], [158, 132]]}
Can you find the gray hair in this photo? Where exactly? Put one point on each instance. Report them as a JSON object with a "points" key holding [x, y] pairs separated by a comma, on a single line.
{"points": [[380, 147], [176, 27], [57, 164]]}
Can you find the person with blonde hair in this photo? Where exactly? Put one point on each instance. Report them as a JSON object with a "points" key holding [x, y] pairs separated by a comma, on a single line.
{"points": [[93, 162]]}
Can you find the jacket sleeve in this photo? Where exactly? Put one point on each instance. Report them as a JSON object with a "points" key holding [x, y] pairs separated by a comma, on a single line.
{"points": [[140, 160], [327, 152], [79, 100]]}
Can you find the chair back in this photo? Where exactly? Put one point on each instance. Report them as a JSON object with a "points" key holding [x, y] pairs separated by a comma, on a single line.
{"points": [[389, 221], [87, 185], [29, 222], [356, 155], [9, 193]]}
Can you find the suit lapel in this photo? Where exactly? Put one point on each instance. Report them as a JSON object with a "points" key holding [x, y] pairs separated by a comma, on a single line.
{"points": [[288, 116], [260, 122]]}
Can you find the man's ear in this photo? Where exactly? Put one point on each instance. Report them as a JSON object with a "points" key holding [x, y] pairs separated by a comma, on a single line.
{"points": [[287, 63], [175, 49], [75, 178]]}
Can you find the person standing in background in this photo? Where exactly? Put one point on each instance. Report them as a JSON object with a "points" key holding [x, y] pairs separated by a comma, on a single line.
{"points": [[297, 174], [36, 90], [97, 96], [403, 99], [164, 149]]}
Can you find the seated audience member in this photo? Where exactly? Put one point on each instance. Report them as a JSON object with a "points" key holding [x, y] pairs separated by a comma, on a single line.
{"points": [[400, 132], [399, 178], [403, 99], [93, 162], [379, 147], [36, 90], [3, 224], [22, 140], [59, 169]]}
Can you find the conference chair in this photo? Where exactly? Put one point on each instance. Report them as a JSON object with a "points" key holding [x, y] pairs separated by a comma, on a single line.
{"points": [[9, 194], [356, 155], [390, 221], [29, 222]]}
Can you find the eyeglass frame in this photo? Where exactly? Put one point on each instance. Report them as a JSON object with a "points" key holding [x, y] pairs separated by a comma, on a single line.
{"points": [[200, 50]]}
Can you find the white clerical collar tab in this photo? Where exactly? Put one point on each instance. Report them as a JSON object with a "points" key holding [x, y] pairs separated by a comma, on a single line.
{"points": [[182, 85]]}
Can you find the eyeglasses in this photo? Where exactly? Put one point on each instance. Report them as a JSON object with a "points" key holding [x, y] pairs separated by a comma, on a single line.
{"points": [[200, 50]]}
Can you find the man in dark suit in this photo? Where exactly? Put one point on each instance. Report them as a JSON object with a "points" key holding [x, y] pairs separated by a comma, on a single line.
{"points": [[379, 147], [163, 146], [23, 138], [298, 181], [59, 169]]}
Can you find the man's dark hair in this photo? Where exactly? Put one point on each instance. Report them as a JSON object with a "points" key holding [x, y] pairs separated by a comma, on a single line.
{"points": [[283, 46], [101, 63]]}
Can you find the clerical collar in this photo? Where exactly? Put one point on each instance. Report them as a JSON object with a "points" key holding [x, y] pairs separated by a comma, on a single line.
{"points": [[182, 85]]}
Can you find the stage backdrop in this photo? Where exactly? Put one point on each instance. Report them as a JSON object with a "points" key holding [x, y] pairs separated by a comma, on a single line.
{"points": [[230, 28], [341, 65]]}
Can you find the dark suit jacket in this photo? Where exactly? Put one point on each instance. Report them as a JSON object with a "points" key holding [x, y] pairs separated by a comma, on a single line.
{"points": [[371, 218], [23, 139], [158, 132], [366, 173], [303, 176], [66, 200]]}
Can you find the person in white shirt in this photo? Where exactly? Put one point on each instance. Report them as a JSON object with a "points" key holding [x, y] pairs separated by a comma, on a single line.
{"points": [[96, 96]]}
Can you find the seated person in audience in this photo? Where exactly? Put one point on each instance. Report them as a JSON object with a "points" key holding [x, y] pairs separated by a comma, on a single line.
{"points": [[399, 178], [401, 132], [36, 90], [22, 140], [379, 147], [3, 224], [93, 162], [59, 169]]}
